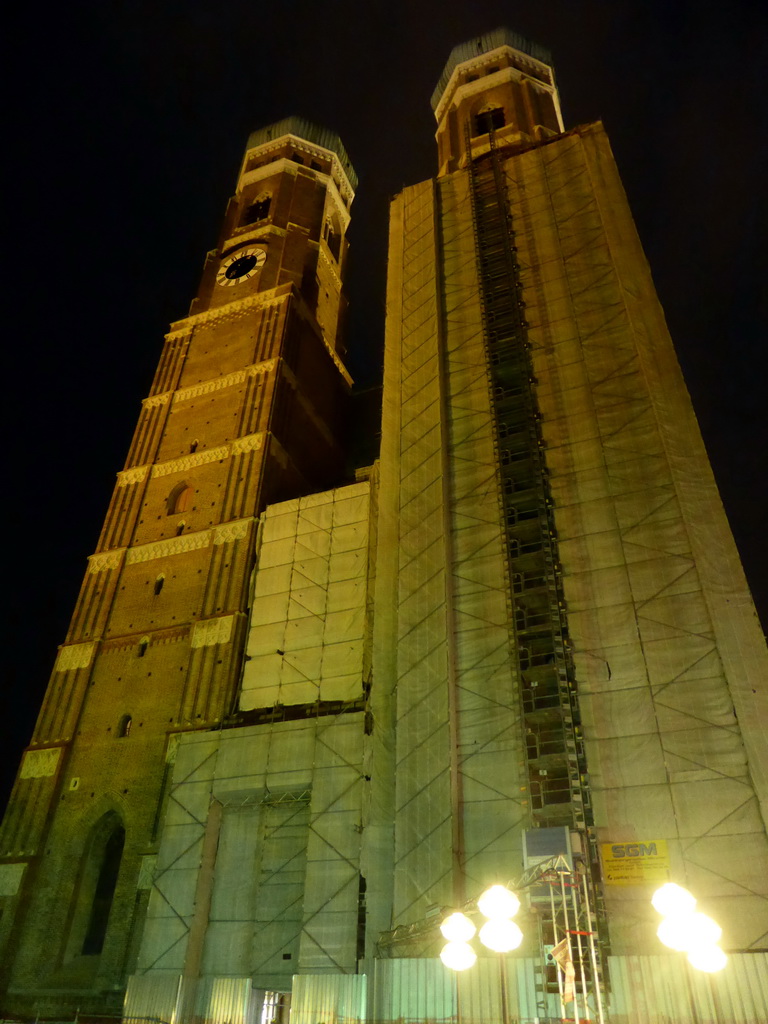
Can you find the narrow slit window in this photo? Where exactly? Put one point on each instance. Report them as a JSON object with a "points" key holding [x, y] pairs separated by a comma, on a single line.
{"points": [[143, 645], [124, 727], [159, 584]]}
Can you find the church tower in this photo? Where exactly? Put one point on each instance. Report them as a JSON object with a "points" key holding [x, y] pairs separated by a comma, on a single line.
{"points": [[578, 666], [247, 407]]}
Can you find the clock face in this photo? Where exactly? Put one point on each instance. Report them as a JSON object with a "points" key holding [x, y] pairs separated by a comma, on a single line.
{"points": [[240, 266]]}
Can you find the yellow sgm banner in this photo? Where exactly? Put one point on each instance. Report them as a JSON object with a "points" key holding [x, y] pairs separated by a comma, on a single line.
{"points": [[635, 863]]}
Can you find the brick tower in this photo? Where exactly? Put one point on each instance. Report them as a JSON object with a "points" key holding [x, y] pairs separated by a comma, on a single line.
{"points": [[246, 408]]}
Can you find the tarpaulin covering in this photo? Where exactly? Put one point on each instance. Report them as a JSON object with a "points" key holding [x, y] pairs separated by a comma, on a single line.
{"points": [[258, 863], [671, 664], [458, 734], [308, 614]]}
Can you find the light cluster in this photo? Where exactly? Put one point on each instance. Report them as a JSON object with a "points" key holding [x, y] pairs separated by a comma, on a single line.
{"points": [[499, 933], [687, 930]]}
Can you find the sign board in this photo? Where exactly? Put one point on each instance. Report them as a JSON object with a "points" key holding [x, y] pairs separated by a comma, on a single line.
{"points": [[636, 863]]}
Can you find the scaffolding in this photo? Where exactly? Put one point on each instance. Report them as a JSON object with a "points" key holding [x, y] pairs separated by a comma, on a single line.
{"points": [[554, 748], [559, 895], [566, 975]]}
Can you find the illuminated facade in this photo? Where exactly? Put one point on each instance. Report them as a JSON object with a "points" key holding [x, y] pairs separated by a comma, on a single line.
{"points": [[246, 409], [526, 625]]}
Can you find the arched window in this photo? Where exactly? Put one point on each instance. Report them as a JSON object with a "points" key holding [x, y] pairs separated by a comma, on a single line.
{"points": [[143, 645], [179, 498], [180, 528], [124, 726], [104, 892], [159, 583], [95, 890]]}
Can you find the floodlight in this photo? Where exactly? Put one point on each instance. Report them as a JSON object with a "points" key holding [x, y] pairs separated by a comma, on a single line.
{"points": [[458, 955], [675, 932], [498, 903], [686, 931], [706, 931], [709, 958], [457, 928], [501, 936], [673, 899]]}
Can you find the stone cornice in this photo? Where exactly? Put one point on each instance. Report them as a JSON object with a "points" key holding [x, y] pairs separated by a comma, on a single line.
{"points": [[156, 637], [209, 632], [490, 56], [134, 475], [105, 560], [205, 387], [236, 530], [162, 399], [249, 443], [225, 533], [276, 297], [190, 461], [283, 164], [171, 546], [263, 300]]}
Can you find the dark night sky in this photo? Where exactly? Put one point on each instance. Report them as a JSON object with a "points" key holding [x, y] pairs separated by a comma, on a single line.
{"points": [[125, 123]]}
